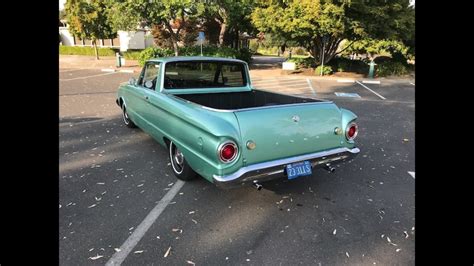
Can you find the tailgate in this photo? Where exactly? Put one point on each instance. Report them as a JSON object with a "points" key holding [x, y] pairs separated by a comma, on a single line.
{"points": [[288, 130]]}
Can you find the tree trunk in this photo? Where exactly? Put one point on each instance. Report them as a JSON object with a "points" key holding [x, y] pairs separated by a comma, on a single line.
{"points": [[315, 48], [222, 33], [94, 42], [174, 38], [175, 48]]}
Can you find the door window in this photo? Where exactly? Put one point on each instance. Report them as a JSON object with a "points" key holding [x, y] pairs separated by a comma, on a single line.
{"points": [[149, 76]]}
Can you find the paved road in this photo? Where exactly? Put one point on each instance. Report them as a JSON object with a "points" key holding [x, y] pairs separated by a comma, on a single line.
{"points": [[111, 177]]}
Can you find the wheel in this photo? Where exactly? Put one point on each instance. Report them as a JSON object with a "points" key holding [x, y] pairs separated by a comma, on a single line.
{"points": [[181, 169], [126, 120]]}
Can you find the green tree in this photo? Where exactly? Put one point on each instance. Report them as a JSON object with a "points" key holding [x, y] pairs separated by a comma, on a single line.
{"points": [[168, 14], [229, 14], [374, 48], [320, 26], [88, 20]]}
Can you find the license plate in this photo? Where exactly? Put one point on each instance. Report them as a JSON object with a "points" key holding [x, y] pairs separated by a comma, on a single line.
{"points": [[295, 170]]}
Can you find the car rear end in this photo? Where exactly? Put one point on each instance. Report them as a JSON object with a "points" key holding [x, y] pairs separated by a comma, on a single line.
{"points": [[289, 141]]}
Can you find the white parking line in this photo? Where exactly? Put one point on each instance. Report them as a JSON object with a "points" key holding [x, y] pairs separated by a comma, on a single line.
{"points": [[88, 76], [345, 80], [412, 83], [371, 81], [412, 174], [137, 235], [383, 98], [311, 86]]}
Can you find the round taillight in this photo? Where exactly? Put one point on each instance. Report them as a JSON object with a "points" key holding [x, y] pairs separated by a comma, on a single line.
{"points": [[228, 152], [351, 131]]}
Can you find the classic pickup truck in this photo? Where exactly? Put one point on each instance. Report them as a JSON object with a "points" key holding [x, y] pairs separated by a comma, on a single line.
{"points": [[213, 123]]}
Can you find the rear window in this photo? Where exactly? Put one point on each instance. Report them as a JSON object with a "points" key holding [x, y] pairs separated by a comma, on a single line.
{"points": [[204, 74]]}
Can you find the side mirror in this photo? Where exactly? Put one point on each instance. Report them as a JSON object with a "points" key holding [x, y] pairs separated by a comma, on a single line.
{"points": [[149, 84], [132, 81]]}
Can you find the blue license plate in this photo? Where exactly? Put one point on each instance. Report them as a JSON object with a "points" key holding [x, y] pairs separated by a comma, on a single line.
{"points": [[295, 170]]}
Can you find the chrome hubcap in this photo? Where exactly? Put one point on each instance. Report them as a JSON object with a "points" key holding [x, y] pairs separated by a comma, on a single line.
{"points": [[125, 116], [177, 159]]}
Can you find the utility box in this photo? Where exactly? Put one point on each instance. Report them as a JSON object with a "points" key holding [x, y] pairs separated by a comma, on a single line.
{"points": [[289, 66]]}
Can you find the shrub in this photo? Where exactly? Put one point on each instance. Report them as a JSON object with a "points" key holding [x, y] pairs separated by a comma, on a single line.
{"points": [[392, 68], [132, 55], [85, 50], [303, 62], [342, 64], [153, 52], [326, 70], [245, 54], [300, 51], [213, 51]]}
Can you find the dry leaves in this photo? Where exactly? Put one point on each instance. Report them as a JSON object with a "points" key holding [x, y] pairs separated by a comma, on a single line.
{"points": [[167, 252]]}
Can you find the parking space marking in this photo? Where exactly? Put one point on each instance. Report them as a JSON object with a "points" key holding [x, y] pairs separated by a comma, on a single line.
{"points": [[137, 235], [371, 81], [412, 83], [311, 86], [383, 98], [412, 174], [87, 76]]}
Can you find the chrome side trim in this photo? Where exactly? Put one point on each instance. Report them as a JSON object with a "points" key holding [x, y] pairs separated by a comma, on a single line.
{"points": [[266, 165]]}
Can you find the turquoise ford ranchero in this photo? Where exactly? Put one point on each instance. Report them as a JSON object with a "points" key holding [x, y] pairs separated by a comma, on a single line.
{"points": [[216, 125]]}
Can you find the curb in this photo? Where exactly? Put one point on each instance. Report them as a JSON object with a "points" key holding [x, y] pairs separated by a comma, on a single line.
{"points": [[116, 70], [371, 81]]}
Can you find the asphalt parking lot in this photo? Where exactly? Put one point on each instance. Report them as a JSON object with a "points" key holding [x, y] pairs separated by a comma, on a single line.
{"points": [[112, 177]]}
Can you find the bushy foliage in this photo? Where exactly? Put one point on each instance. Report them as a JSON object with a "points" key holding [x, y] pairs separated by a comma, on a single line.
{"points": [[392, 68], [213, 51], [327, 70], [85, 50], [153, 52], [303, 62], [342, 64]]}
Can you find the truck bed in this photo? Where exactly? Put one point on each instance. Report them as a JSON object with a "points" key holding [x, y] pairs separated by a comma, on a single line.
{"points": [[242, 100]]}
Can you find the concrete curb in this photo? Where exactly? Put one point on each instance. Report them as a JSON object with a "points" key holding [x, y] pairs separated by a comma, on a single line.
{"points": [[117, 70]]}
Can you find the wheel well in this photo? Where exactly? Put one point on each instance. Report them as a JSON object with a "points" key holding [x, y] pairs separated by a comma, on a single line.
{"points": [[167, 141]]}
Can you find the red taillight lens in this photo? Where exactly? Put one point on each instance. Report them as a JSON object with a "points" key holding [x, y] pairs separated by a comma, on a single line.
{"points": [[227, 152], [351, 131]]}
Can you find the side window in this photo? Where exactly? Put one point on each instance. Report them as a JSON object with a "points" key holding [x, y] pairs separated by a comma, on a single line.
{"points": [[149, 75]]}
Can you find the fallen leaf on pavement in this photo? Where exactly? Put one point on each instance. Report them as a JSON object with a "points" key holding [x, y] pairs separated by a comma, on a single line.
{"points": [[96, 257], [167, 252]]}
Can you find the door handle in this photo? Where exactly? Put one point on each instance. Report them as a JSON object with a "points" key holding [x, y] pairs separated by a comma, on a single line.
{"points": [[146, 98]]}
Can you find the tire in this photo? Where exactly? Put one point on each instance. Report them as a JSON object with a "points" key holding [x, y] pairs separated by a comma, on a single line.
{"points": [[126, 120], [180, 167]]}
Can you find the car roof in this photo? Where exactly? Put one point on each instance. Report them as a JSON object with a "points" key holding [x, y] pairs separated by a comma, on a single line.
{"points": [[193, 58]]}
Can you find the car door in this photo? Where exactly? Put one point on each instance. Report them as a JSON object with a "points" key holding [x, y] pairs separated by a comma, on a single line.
{"points": [[140, 95]]}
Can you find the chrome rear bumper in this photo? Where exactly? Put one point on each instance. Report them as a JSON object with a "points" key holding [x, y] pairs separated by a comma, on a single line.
{"points": [[276, 169]]}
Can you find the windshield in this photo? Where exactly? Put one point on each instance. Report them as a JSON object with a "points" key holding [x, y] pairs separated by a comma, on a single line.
{"points": [[204, 74]]}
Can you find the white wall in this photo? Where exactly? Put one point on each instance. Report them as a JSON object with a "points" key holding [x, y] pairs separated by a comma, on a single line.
{"points": [[131, 40], [66, 37]]}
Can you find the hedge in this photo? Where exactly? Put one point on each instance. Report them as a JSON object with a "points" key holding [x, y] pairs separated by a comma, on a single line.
{"points": [[327, 70], [392, 68], [85, 50], [213, 51]]}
